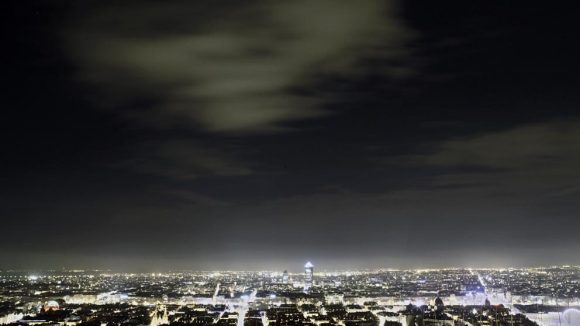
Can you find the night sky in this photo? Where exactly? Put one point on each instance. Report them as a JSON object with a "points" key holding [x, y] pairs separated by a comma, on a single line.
{"points": [[164, 135]]}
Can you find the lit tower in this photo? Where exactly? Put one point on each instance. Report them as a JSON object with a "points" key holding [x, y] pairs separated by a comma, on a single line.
{"points": [[285, 277], [308, 271]]}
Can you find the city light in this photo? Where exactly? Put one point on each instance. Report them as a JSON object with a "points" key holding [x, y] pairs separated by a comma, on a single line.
{"points": [[514, 296]]}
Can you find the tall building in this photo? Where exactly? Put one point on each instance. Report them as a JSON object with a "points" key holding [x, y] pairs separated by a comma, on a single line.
{"points": [[308, 272], [285, 277]]}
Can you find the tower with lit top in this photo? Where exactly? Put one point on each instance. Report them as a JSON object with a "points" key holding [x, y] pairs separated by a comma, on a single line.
{"points": [[308, 274], [285, 277]]}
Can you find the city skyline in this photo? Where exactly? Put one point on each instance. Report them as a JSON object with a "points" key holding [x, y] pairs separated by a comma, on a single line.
{"points": [[203, 135], [291, 271], [516, 297]]}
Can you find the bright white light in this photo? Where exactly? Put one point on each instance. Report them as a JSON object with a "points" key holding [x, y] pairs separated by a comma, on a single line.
{"points": [[272, 296], [33, 277], [474, 311]]}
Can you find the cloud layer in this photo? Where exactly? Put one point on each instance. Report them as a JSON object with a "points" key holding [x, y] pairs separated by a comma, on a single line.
{"points": [[229, 68], [529, 159]]}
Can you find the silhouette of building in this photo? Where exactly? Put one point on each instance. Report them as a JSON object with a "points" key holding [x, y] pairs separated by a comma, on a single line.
{"points": [[439, 304], [487, 304]]}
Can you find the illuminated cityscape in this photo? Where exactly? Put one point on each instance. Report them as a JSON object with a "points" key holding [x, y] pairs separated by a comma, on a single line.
{"points": [[513, 296], [290, 163]]}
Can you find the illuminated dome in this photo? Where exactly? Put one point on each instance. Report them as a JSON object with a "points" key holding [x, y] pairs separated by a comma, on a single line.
{"points": [[51, 306], [308, 265]]}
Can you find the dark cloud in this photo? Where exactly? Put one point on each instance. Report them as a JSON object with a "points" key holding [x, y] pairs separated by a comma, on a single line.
{"points": [[249, 68], [535, 159], [183, 159]]}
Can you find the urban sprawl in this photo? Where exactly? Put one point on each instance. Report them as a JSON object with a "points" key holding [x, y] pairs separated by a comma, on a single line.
{"points": [[455, 297]]}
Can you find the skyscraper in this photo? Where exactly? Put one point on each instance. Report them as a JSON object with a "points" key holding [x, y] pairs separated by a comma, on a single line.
{"points": [[285, 277], [308, 272]]}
